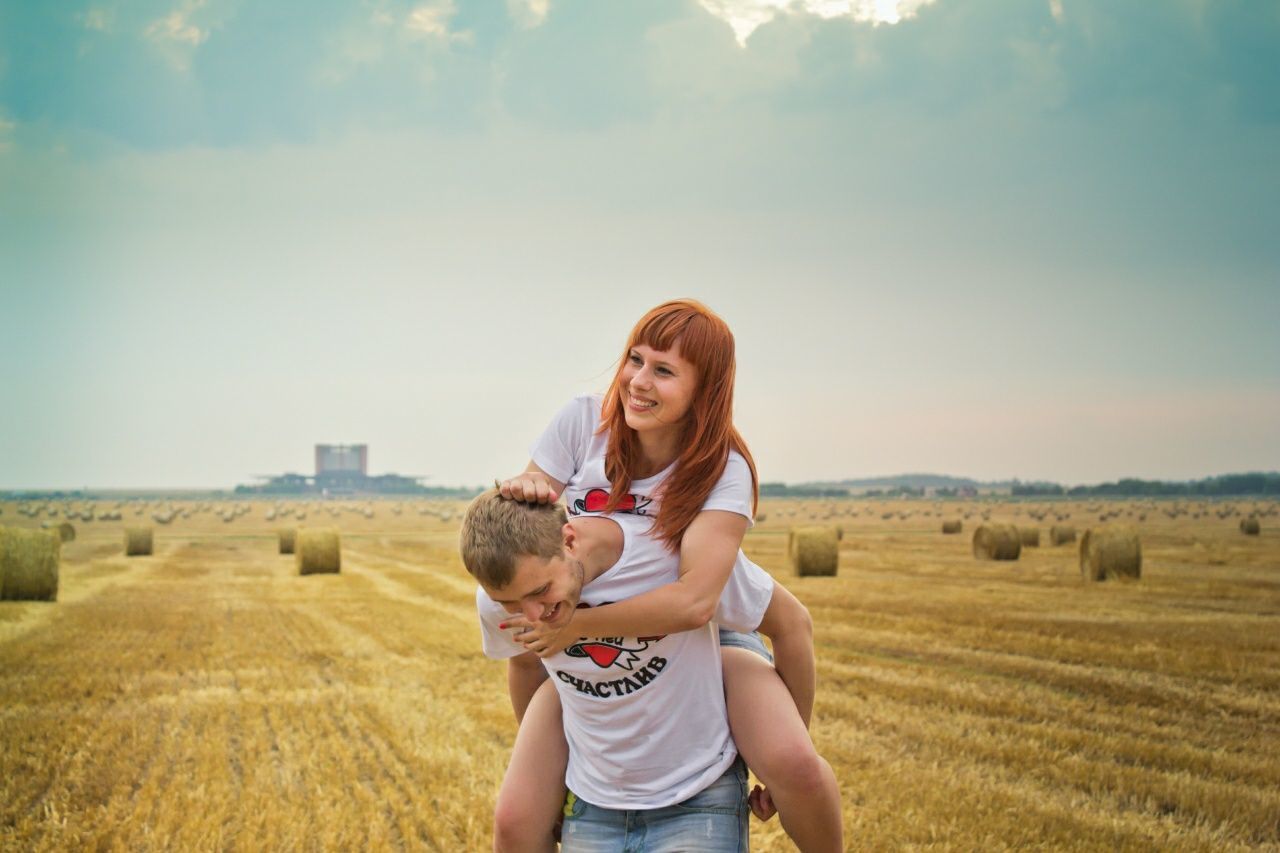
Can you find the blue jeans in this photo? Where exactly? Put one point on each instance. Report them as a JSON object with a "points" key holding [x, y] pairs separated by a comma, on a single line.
{"points": [[751, 642], [714, 820]]}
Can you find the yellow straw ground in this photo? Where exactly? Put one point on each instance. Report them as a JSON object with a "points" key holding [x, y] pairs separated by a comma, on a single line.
{"points": [[208, 698]]}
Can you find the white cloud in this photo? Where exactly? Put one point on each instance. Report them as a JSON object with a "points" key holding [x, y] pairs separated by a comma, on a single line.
{"points": [[1055, 9], [176, 27], [432, 19], [529, 13], [744, 16]]}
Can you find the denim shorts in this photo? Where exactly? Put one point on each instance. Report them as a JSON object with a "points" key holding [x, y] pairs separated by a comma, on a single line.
{"points": [[714, 820], [739, 640]]}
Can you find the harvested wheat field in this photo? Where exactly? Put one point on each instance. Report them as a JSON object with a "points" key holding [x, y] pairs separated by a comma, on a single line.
{"points": [[208, 697]]}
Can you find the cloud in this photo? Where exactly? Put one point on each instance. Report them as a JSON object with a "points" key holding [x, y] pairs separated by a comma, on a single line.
{"points": [[176, 27], [154, 75], [529, 13], [432, 19], [746, 16]]}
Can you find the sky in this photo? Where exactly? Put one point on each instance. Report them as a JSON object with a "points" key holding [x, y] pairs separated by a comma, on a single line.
{"points": [[974, 237]]}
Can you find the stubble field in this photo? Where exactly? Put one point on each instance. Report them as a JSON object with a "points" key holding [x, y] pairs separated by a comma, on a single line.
{"points": [[206, 697]]}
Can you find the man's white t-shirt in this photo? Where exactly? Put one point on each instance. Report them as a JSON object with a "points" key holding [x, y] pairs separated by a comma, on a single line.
{"points": [[644, 717], [571, 452]]}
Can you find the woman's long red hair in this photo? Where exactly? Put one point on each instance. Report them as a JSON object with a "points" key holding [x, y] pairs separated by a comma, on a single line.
{"points": [[709, 434]]}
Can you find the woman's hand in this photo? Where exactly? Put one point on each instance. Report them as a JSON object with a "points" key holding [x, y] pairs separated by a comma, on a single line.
{"points": [[531, 487], [761, 803], [541, 638]]}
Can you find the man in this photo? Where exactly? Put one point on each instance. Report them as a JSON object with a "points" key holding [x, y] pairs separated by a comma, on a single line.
{"points": [[651, 760]]}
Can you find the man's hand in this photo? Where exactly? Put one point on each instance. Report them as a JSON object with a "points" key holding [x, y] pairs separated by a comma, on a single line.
{"points": [[541, 638], [761, 803], [529, 487]]}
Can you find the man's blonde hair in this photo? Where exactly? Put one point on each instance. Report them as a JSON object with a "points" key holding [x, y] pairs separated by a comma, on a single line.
{"points": [[496, 531]]}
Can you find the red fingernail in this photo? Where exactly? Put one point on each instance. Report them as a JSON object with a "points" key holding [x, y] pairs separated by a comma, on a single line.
{"points": [[503, 625]]}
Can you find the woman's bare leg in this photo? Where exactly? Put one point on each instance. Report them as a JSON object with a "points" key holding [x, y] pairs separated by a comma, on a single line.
{"points": [[533, 791], [776, 746]]}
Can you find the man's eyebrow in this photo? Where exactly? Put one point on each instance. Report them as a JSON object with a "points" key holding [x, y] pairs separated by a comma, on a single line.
{"points": [[537, 591]]}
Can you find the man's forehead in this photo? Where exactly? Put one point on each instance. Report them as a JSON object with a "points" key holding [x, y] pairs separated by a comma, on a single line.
{"points": [[530, 574]]}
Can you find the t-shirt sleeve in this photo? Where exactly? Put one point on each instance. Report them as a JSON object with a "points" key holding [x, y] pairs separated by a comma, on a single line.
{"points": [[561, 448], [746, 596], [733, 491], [497, 643]]}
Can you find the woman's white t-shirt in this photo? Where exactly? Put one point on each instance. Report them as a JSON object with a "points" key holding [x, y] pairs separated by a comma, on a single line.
{"points": [[644, 717]]}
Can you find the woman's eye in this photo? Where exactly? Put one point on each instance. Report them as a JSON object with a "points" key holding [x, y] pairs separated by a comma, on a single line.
{"points": [[663, 371], [635, 359]]}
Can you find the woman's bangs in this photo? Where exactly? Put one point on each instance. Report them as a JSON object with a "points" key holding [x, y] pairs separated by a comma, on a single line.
{"points": [[662, 331]]}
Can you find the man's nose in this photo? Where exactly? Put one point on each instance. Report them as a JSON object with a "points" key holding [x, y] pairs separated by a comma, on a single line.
{"points": [[533, 611]]}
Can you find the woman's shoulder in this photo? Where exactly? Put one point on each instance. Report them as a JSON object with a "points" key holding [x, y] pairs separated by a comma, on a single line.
{"points": [[582, 408]]}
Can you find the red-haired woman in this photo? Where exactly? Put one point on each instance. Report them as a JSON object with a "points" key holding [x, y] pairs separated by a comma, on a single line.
{"points": [[661, 443]]}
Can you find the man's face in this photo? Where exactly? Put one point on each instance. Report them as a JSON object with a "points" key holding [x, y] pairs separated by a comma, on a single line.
{"points": [[542, 590]]}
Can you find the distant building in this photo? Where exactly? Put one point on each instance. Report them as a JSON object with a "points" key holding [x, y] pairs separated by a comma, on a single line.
{"points": [[342, 459], [341, 469]]}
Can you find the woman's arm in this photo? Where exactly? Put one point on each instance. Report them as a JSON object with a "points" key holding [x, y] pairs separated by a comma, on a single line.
{"points": [[788, 624], [532, 485], [707, 554]]}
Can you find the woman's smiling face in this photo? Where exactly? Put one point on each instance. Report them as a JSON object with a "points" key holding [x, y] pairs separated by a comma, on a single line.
{"points": [[658, 387]]}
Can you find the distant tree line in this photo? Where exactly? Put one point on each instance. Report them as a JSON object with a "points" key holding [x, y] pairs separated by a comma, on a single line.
{"points": [[782, 490], [895, 492], [1222, 486]]}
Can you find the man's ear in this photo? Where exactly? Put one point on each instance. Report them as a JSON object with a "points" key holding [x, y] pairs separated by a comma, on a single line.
{"points": [[569, 537]]}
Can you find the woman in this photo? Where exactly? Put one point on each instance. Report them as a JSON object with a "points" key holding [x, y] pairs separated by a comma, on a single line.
{"points": [[662, 444]]}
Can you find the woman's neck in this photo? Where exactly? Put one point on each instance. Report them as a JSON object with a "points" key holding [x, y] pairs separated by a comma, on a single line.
{"points": [[657, 451]]}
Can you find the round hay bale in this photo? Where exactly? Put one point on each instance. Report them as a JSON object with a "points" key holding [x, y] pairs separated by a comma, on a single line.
{"points": [[952, 526], [66, 532], [317, 550], [760, 518], [137, 542], [814, 551], [29, 561], [997, 542], [1110, 552], [1030, 537], [1250, 526], [1061, 534], [287, 536]]}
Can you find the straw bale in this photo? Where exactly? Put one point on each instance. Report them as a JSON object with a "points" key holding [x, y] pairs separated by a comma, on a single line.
{"points": [[137, 541], [1110, 552], [1030, 537], [952, 526], [66, 532], [997, 542], [1061, 534], [317, 550], [814, 551], [1250, 526], [287, 537], [29, 561]]}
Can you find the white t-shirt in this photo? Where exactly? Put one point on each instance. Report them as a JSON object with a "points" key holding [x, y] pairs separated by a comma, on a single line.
{"points": [[644, 717], [571, 452]]}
